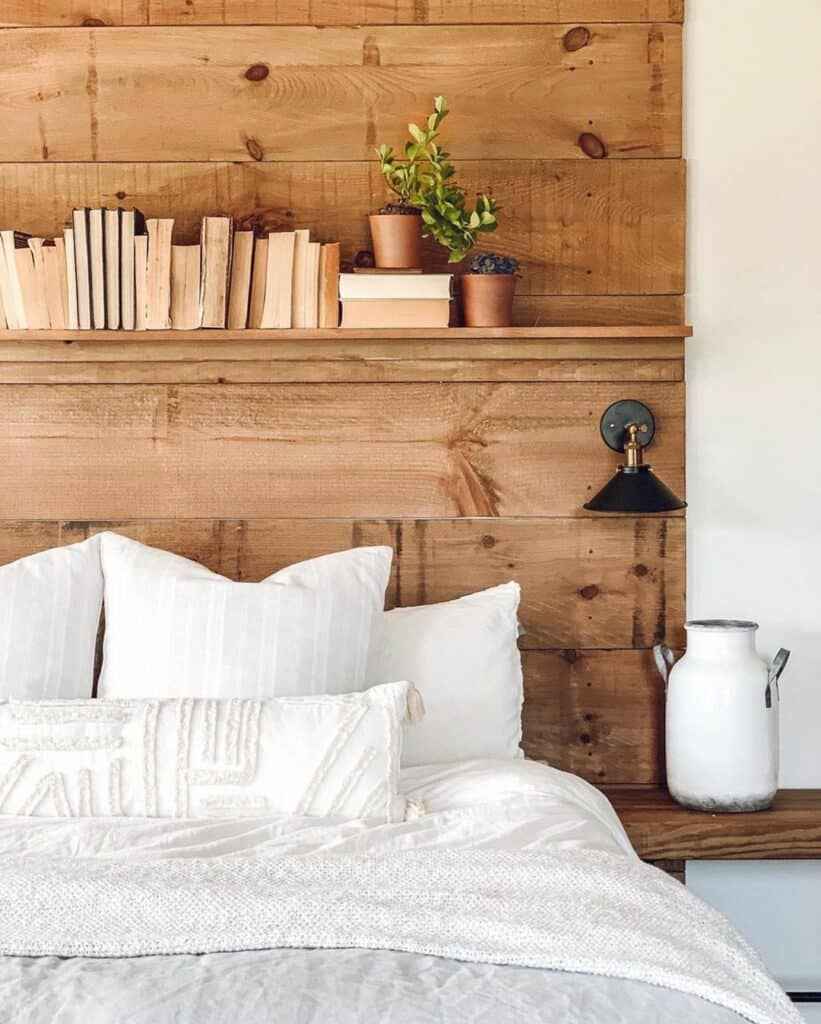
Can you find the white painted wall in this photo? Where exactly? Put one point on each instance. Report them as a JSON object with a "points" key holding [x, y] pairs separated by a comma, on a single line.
{"points": [[753, 145]]}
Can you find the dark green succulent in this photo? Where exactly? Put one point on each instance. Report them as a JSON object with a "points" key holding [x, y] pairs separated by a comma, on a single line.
{"points": [[493, 263]]}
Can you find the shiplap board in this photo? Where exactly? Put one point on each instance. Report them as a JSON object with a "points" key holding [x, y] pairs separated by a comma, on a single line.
{"points": [[599, 227], [388, 450], [331, 12], [306, 93]]}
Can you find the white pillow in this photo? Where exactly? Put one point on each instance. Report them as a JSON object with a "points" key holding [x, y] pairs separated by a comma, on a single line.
{"points": [[330, 756], [175, 629], [463, 657], [49, 617]]}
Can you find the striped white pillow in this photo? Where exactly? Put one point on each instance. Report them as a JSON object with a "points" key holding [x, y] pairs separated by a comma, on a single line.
{"points": [[328, 756], [49, 617], [175, 629]]}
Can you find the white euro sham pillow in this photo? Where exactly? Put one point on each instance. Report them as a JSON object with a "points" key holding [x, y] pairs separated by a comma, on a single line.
{"points": [[49, 617], [175, 629], [463, 657], [326, 756]]}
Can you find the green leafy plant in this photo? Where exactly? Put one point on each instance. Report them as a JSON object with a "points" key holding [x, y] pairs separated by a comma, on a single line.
{"points": [[446, 214], [424, 182], [404, 177], [493, 263]]}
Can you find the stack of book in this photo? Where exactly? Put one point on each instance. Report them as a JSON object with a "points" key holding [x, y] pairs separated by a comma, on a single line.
{"points": [[116, 269], [384, 298]]}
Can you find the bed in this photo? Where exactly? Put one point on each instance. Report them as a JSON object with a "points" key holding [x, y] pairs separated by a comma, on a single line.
{"points": [[512, 866]]}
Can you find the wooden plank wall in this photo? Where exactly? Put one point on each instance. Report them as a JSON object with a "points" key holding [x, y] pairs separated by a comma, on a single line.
{"points": [[570, 110]]}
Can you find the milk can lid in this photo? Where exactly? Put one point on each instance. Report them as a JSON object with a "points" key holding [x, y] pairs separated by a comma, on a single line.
{"points": [[721, 624]]}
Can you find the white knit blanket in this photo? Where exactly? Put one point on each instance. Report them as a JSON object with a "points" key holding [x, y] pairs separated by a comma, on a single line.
{"points": [[572, 910]]}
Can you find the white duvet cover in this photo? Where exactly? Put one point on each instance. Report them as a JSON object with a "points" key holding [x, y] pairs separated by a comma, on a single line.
{"points": [[509, 866]]}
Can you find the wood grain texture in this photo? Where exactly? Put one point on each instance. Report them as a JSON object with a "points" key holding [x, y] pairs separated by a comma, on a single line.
{"points": [[597, 227], [284, 371], [44, 13], [598, 714], [335, 93], [331, 12], [659, 828], [591, 583], [567, 310], [397, 450], [535, 354]]}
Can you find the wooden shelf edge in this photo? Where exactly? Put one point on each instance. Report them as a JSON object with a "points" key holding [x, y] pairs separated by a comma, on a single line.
{"points": [[660, 829], [622, 332]]}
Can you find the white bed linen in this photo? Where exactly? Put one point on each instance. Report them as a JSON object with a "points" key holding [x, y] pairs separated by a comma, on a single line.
{"points": [[510, 806], [504, 805]]}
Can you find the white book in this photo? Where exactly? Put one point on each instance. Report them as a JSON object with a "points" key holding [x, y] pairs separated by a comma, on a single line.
{"points": [[395, 286], [13, 291], [79, 219], [96, 256], [72, 322], [140, 282], [276, 311], [6, 297], [302, 239], [310, 295], [112, 268]]}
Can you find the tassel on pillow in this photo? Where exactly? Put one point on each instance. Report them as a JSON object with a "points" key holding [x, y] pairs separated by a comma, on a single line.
{"points": [[415, 706]]}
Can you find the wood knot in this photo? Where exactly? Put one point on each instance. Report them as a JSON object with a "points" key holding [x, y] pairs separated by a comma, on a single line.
{"points": [[255, 149], [591, 145], [576, 38], [371, 56], [589, 592], [257, 72], [120, 195], [93, 23], [640, 570], [488, 541]]}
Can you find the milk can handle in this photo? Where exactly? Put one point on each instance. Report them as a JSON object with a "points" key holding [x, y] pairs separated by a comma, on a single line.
{"points": [[665, 659], [779, 663]]}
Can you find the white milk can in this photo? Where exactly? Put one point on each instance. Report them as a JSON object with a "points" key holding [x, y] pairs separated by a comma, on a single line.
{"points": [[722, 718]]}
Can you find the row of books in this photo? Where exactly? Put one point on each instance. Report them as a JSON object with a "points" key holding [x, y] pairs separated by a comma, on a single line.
{"points": [[115, 269]]}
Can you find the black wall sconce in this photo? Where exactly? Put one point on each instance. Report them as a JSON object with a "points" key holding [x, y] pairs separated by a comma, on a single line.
{"points": [[628, 426]]}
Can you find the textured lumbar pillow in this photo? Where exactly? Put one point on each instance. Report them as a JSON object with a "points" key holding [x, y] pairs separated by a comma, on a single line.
{"points": [[175, 629], [334, 756], [464, 658], [49, 617]]}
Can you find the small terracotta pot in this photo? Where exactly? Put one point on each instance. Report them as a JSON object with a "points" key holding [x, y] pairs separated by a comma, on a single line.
{"points": [[487, 299], [397, 240]]}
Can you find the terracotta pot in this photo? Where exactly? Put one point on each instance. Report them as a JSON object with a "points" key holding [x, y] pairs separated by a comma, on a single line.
{"points": [[487, 299], [397, 240]]}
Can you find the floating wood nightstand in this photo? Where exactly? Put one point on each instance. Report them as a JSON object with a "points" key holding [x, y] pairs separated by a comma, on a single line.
{"points": [[661, 830]]}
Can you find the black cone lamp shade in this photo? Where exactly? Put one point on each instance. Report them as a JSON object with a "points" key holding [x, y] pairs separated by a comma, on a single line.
{"points": [[628, 427]]}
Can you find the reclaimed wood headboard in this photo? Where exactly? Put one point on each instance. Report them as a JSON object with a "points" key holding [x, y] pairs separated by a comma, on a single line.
{"points": [[471, 453]]}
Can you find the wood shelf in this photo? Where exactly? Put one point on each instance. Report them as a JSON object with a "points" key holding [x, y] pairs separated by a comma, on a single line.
{"points": [[623, 353], [662, 830], [382, 334]]}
